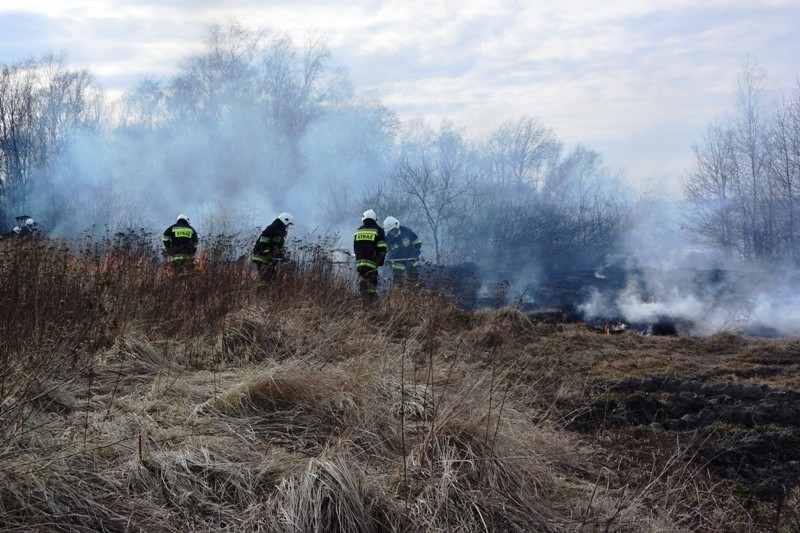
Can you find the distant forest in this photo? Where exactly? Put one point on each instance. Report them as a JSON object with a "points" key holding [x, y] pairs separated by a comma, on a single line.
{"points": [[257, 123]]}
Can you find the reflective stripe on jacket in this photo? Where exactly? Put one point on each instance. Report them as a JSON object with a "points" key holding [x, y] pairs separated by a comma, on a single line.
{"points": [[369, 245], [180, 239], [404, 245]]}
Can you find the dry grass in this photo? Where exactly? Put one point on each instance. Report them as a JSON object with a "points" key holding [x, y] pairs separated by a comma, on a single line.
{"points": [[133, 399]]}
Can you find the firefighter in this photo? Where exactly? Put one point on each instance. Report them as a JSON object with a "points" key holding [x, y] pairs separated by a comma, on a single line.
{"points": [[26, 227], [269, 251], [404, 248], [30, 228], [369, 245], [13, 233], [180, 244]]}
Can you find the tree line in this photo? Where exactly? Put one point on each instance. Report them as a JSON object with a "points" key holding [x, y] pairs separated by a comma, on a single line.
{"points": [[41, 103], [742, 192], [255, 117]]}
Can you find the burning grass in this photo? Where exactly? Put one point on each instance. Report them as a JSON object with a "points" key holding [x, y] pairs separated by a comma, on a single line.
{"points": [[133, 398]]}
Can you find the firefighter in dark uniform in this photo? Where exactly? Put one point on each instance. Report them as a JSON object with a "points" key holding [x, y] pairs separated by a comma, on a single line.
{"points": [[180, 244], [29, 229], [269, 251], [404, 248], [369, 245], [26, 228]]}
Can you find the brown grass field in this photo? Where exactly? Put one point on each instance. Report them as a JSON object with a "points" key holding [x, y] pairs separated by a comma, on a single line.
{"points": [[134, 399]]}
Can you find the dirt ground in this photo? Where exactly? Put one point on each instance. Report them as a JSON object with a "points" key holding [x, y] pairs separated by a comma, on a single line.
{"points": [[731, 402]]}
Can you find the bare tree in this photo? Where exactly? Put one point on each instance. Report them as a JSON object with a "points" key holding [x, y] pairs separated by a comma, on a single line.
{"points": [[241, 107], [710, 191], [221, 80], [436, 181], [145, 106], [741, 193], [69, 100], [567, 179], [17, 128], [581, 213], [292, 82], [571, 217], [259, 84], [749, 135], [784, 166], [521, 151], [42, 103]]}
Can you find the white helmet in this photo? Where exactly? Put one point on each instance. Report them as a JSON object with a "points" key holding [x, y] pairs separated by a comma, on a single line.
{"points": [[286, 218], [391, 223], [369, 213], [183, 217], [30, 223]]}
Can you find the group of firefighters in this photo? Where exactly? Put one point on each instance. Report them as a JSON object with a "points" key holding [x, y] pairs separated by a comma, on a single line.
{"points": [[373, 246], [26, 227]]}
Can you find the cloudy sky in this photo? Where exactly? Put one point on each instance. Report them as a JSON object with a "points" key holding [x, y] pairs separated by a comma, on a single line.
{"points": [[637, 80]]}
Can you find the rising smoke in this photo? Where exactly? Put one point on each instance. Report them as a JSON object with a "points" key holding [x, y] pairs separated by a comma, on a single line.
{"points": [[667, 278], [233, 153], [227, 141]]}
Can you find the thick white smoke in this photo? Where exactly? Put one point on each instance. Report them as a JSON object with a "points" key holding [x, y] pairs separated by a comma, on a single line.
{"points": [[670, 280]]}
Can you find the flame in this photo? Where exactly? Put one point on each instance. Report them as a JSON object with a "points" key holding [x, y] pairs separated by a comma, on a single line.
{"points": [[202, 262], [115, 259]]}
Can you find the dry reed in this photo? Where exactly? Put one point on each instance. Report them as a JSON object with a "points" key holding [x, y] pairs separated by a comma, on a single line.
{"points": [[138, 399]]}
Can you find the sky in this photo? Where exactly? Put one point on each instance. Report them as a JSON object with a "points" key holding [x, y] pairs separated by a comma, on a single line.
{"points": [[638, 81]]}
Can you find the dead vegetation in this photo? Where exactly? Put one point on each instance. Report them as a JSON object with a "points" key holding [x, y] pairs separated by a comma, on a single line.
{"points": [[133, 399]]}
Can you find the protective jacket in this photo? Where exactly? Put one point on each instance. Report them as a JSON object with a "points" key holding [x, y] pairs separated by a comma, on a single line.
{"points": [[404, 245], [180, 241], [28, 231], [369, 245], [22, 232], [270, 246]]}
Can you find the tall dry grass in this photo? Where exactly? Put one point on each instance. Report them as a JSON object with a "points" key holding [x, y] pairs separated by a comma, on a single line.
{"points": [[138, 399]]}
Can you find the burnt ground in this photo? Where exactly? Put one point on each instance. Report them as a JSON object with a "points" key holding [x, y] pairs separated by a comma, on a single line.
{"points": [[746, 434], [729, 405]]}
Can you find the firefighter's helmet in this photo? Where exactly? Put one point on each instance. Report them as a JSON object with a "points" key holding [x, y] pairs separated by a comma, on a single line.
{"points": [[286, 218], [369, 213], [184, 218], [390, 223]]}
